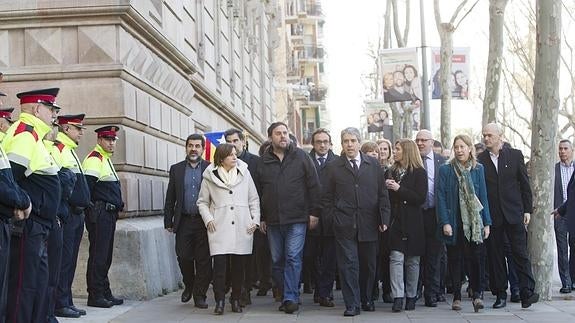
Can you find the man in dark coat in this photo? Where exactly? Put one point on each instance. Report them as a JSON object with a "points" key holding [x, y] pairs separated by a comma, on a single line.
{"points": [[319, 250], [510, 205], [182, 217], [434, 248], [289, 187], [356, 198], [565, 241]]}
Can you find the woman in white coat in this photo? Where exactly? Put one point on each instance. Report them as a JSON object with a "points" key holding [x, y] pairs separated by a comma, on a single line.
{"points": [[230, 207]]}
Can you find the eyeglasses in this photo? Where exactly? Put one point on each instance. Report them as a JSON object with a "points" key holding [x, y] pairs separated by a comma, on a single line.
{"points": [[422, 140], [321, 142]]}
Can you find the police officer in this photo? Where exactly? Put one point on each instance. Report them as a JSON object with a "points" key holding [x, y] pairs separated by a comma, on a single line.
{"points": [[5, 121], [14, 206], [37, 173], [71, 130], [67, 181], [101, 218]]}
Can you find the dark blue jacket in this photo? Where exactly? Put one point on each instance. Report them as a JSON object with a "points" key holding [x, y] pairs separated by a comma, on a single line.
{"points": [[448, 208], [567, 209], [11, 195]]}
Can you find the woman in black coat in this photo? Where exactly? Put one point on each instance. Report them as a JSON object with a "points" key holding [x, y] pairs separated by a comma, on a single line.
{"points": [[406, 181]]}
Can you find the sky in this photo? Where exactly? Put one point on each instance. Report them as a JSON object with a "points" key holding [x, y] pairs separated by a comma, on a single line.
{"points": [[349, 28]]}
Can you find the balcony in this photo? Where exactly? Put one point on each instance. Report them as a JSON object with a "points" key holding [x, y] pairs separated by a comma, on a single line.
{"points": [[309, 11], [310, 54]]}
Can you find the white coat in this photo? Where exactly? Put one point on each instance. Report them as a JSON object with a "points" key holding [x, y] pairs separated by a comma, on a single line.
{"points": [[233, 208]]}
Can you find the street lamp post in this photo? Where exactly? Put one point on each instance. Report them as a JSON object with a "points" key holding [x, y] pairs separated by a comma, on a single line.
{"points": [[425, 111]]}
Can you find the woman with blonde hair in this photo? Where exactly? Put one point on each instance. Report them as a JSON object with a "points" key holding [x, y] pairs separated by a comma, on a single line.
{"points": [[385, 152], [463, 218], [407, 185], [230, 207]]}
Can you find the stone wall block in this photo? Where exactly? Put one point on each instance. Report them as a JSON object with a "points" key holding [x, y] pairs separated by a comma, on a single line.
{"points": [[97, 44], [43, 46]]}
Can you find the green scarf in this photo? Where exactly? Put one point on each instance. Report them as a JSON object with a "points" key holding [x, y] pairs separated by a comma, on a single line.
{"points": [[469, 204]]}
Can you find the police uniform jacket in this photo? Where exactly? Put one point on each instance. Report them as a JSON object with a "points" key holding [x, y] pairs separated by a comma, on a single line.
{"points": [[11, 195], [102, 179], [33, 167]]}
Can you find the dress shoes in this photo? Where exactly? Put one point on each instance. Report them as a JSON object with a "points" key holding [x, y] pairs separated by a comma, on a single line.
{"points": [[430, 302], [99, 302], [515, 298], [114, 300], [351, 311], [66, 312], [368, 307], [290, 307], [410, 303], [326, 302], [262, 292], [534, 298], [500, 302], [565, 290], [79, 310], [397, 305], [219, 309], [477, 305], [200, 302], [186, 295]]}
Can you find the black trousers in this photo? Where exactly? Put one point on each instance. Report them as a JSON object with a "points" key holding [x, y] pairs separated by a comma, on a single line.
{"points": [[472, 254], [54, 261], [384, 252], [4, 261], [565, 252], [263, 260], [496, 253], [71, 239], [433, 252], [101, 226], [193, 254], [237, 263], [327, 267], [356, 264], [28, 273], [311, 260]]}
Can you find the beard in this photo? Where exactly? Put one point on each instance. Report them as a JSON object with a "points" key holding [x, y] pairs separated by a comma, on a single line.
{"points": [[194, 158]]}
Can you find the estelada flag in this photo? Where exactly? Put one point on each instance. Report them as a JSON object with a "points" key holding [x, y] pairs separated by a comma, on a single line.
{"points": [[213, 139]]}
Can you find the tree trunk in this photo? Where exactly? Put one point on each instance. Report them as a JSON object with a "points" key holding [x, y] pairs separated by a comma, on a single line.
{"points": [[398, 119], [387, 26], [446, 35], [491, 99], [545, 111]]}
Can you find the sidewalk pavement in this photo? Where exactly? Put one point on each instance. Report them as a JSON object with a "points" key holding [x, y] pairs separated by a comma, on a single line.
{"points": [[169, 309]]}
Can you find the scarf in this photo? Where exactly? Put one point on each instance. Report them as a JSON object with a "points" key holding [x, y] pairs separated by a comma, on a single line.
{"points": [[469, 204], [230, 177]]}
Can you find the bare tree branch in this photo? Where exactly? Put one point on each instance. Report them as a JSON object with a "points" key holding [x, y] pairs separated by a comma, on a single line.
{"points": [[407, 19], [465, 15]]}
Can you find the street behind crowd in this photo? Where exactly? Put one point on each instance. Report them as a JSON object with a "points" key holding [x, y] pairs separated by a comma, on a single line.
{"points": [[169, 309]]}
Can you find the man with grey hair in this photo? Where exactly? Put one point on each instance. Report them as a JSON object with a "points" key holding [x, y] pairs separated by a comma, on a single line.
{"points": [[355, 196], [510, 206], [434, 249], [565, 241]]}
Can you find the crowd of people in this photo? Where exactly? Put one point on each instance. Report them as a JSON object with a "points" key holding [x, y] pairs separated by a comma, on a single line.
{"points": [[401, 217], [47, 196], [398, 220]]}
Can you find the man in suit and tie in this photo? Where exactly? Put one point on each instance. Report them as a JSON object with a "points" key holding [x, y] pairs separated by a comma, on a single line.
{"points": [[434, 248], [510, 206], [565, 241], [319, 249], [355, 197], [182, 217]]}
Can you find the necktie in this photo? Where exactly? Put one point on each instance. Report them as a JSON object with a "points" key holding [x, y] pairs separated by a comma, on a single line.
{"points": [[425, 162], [354, 164], [321, 160]]}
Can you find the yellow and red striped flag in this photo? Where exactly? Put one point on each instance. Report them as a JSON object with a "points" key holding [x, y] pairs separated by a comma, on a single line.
{"points": [[213, 139]]}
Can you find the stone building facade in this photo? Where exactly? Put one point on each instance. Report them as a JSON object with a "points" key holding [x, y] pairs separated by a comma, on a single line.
{"points": [[161, 69]]}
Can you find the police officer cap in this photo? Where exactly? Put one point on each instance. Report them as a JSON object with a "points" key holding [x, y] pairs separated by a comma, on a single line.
{"points": [[107, 132], [7, 114], [44, 96], [72, 119]]}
